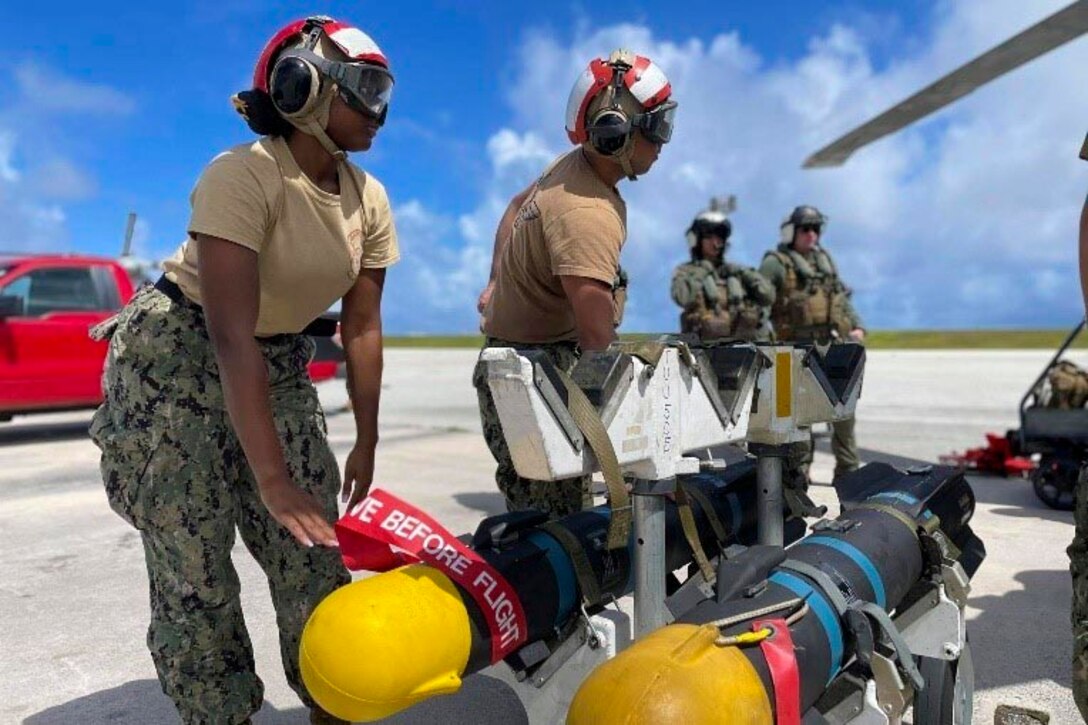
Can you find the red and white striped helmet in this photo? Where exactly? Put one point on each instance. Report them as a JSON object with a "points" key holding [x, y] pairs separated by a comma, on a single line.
{"points": [[644, 79], [354, 43]]}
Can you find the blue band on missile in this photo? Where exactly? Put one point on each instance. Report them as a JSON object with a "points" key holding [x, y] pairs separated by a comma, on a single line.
{"points": [[900, 496], [563, 568], [876, 583], [734, 509], [823, 611]]}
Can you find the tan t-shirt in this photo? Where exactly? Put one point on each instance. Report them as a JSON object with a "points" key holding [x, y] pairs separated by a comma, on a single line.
{"points": [[572, 224], [310, 244]]}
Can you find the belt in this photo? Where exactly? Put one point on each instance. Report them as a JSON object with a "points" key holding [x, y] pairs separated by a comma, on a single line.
{"points": [[320, 327]]}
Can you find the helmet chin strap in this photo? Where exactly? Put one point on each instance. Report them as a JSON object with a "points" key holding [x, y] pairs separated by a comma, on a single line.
{"points": [[315, 122], [624, 158], [322, 136]]}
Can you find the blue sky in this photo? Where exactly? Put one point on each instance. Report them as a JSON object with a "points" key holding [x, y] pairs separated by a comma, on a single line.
{"points": [[117, 108]]}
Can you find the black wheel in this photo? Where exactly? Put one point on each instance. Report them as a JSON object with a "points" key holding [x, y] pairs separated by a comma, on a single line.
{"points": [[1054, 481], [949, 694]]}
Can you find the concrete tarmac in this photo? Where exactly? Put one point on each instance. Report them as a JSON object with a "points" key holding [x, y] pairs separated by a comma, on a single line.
{"points": [[73, 590]]}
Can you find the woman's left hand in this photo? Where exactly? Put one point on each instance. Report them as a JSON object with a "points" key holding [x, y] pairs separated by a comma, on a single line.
{"points": [[358, 474]]}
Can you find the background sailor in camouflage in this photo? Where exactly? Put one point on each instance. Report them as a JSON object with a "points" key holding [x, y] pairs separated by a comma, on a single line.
{"points": [[812, 305], [1078, 550], [164, 412], [718, 299]]}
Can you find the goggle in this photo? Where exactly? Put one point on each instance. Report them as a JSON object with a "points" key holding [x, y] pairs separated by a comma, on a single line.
{"points": [[657, 125], [720, 231], [365, 87], [809, 228]]}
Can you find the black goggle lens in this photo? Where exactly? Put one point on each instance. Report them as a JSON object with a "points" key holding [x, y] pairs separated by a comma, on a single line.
{"points": [[365, 88], [657, 125]]}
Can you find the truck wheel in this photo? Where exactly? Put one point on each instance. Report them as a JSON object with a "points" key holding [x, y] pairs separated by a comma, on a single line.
{"points": [[1054, 481], [949, 694]]}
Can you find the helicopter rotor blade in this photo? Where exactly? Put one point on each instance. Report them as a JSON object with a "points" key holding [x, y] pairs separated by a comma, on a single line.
{"points": [[1060, 28]]}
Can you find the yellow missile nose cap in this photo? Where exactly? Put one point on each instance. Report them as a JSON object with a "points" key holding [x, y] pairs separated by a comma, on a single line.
{"points": [[379, 645], [674, 675]]}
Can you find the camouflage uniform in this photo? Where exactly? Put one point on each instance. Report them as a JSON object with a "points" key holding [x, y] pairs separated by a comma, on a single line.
{"points": [[1078, 550], [556, 498], [724, 301], [813, 305], [1078, 568], [174, 469]]}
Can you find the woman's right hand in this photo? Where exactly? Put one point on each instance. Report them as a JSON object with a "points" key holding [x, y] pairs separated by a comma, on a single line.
{"points": [[297, 511]]}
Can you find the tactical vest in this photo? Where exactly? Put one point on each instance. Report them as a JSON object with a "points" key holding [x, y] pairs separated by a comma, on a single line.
{"points": [[812, 303], [1068, 386], [715, 304]]}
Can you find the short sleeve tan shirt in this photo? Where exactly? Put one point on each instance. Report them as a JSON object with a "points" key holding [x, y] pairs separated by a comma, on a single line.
{"points": [[572, 224], [310, 244]]}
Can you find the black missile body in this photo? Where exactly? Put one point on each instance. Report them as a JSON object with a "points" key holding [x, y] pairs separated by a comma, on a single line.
{"points": [[540, 570], [885, 549]]}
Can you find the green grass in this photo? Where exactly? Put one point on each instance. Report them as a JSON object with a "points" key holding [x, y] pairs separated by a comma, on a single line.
{"points": [[973, 339], [877, 339]]}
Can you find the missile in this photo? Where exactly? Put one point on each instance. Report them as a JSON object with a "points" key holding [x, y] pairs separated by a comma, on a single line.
{"points": [[382, 644], [888, 548]]}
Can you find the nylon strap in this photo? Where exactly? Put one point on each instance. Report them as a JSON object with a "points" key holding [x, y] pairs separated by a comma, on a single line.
{"points": [[799, 503], [650, 352], [589, 422], [583, 570], [895, 513], [708, 509], [779, 653], [826, 583], [691, 533], [902, 651], [838, 600]]}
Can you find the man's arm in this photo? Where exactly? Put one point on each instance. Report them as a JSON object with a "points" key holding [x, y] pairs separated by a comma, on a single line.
{"points": [[773, 271], [857, 327], [593, 311], [502, 235], [1084, 249], [758, 287]]}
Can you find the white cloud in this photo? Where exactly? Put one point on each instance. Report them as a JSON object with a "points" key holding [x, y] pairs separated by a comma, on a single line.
{"points": [[36, 178], [45, 89], [968, 220], [62, 180], [7, 149]]}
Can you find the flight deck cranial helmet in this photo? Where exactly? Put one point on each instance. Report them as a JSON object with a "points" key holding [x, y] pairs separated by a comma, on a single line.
{"points": [[612, 99], [803, 215], [306, 64], [712, 222]]}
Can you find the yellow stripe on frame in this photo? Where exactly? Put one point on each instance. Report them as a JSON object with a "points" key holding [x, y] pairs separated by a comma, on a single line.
{"points": [[783, 384]]}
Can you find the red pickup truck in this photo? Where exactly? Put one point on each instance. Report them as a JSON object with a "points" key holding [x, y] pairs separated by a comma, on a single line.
{"points": [[47, 304]]}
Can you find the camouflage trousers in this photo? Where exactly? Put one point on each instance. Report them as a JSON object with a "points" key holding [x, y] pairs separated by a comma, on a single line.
{"points": [[844, 446], [174, 469], [556, 498], [1078, 568]]}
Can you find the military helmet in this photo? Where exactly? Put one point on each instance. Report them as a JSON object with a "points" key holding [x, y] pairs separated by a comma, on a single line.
{"points": [[802, 215], [711, 221]]}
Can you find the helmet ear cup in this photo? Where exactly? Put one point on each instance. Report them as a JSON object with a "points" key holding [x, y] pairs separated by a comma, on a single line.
{"points": [[609, 132], [294, 86]]}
